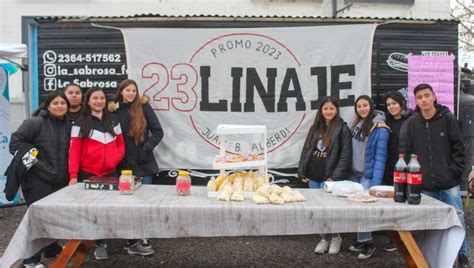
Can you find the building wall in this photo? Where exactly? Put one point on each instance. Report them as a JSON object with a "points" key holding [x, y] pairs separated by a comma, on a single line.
{"points": [[11, 12]]}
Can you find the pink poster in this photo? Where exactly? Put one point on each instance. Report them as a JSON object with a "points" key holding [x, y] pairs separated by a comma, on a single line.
{"points": [[438, 71]]}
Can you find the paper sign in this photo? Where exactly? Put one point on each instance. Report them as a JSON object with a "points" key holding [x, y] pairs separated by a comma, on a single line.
{"points": [[438, 71]]}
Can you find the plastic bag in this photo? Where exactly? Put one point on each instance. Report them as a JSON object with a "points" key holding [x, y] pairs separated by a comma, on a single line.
{"points": [[347, 188], [328, 185]]}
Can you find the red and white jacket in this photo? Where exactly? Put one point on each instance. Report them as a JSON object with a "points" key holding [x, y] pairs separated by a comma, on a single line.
{"points": [[99, 154]]}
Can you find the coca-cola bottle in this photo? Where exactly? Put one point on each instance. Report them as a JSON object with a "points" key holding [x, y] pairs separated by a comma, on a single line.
{"points": [[414, 181], [400, 180]]}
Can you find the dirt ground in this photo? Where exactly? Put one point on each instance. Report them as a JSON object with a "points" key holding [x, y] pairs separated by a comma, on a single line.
{"points": [[274, 251]]}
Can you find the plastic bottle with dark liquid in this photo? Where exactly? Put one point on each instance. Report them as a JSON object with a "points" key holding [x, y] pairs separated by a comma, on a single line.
{"points": [[414, 181]]}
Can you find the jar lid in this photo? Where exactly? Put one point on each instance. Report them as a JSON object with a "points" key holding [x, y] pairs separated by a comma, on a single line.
{"points": [[126, 172], [183, 173]]}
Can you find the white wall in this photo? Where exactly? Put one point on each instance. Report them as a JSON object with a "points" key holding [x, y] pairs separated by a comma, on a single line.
{"points": [[11, 12]]}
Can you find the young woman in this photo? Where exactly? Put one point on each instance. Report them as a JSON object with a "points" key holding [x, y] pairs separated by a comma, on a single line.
{"points": [[397, 114], [73, 94], [141, 128], [47, 132], [142, 133], [369, 146], [326, 156], [97, 145]]}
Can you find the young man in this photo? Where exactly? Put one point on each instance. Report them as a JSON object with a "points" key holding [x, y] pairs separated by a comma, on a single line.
{"points": [[434, 135]]}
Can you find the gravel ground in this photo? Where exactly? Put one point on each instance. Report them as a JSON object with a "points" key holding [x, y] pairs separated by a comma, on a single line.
{"points": [[271, 251]]}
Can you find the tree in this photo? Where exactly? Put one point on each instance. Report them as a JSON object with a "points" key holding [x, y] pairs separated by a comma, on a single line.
{"points": [[462, 10]]}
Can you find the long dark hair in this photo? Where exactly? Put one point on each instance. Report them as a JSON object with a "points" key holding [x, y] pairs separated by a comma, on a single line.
{"points": [[368, 122], [86, 116], [138, 121], [319, 124], [51, 96]]}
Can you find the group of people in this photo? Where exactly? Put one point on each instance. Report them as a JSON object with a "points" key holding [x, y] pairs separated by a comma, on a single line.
{"points": [[367, 150], [71, 138]]}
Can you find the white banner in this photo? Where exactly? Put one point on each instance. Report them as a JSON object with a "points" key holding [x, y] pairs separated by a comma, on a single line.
{"points": [[5, 132], [199, 78]]}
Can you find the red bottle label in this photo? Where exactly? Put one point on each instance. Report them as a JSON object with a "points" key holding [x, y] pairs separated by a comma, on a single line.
{"points": [[183, 186], [414, 178], [399, 177], [125, 186]]}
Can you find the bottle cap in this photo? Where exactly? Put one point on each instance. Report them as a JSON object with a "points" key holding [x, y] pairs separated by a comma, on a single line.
{"points": [[126, 172], [183, 173], [400, 155], [34, 152]]}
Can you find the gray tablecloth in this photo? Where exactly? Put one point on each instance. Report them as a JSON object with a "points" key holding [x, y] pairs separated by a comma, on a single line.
{"points": [[157, 212]]}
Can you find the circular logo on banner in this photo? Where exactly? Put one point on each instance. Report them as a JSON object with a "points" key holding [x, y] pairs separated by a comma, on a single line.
{"points": [[260, 91]]}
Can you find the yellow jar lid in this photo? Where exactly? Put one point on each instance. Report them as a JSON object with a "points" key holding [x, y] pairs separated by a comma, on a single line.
{"points": [[126, 172], [183, 173]]}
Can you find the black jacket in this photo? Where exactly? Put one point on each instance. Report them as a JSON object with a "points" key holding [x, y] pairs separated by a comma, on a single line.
{"points": [[394, 145], [73, 117], [50, 136], [139, 157], [338, 165], [439, 147], [16, 173]]}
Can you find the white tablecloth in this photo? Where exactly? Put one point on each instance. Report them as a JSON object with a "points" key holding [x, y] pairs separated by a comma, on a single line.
{"points": [[155, 211]]}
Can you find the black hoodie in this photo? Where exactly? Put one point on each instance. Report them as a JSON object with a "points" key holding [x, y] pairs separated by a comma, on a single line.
{"points": [[438, 144], [393, 144]]}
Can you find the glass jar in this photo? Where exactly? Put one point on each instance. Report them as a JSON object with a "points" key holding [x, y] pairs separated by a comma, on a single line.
{"points": [[126, 182], [183, 183]]}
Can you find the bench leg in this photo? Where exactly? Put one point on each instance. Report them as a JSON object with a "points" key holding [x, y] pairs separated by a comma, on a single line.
{"points": [[68, 251], [82, 247], [408, 248], [82, 252]]}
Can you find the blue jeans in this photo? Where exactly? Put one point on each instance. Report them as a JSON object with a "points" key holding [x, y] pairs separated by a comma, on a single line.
{"points": [[452, 197], [148, 179], [315, 184], [366, 183]]}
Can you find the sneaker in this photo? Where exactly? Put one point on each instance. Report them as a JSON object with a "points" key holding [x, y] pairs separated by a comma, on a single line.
{"points": [[322, 246], [34, 265], [129, 243], [357, 247], [335, 245], [52, 251], [100, 252], [138, 249], [463, 261], [146, 243], [368, 251], [389, 247]]}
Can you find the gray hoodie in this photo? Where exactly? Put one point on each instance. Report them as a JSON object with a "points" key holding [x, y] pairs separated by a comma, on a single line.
{"points": [[358, 146]]}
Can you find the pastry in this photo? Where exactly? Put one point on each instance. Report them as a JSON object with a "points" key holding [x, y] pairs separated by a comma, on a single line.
{"points": [[362, 198], [382, 191]]}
